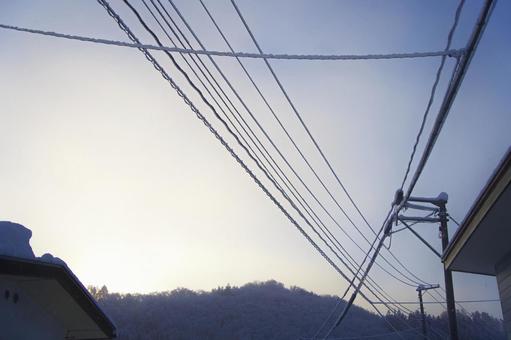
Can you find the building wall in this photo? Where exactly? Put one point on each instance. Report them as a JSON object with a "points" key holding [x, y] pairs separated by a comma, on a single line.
{"points": [[503, 270], [22, 318]]}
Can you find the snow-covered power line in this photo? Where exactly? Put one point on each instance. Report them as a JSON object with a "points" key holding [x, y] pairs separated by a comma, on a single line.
{"points": [[439, 302], [371, 336], [301, 201], [319, 223], [453, 53], [315, 219], [170, 18], [452, 90], [203, 98], [293, 107], [350, 302], [257, 88], [454, 85], [217, 135], [209, 79], [323, 57], [327, 162], [433, 89]]}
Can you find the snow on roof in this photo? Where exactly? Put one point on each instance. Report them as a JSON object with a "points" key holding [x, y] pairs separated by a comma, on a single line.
{"points": [[15, 242]]}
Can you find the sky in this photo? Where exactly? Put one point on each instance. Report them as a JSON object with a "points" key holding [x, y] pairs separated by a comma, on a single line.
{"points": [[114, 174]]}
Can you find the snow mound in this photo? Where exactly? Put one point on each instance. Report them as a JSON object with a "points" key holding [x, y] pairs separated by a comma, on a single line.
{"points": [[15, 242], [52, 259]]}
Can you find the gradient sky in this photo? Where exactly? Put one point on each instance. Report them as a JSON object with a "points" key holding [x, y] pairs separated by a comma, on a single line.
{"points": [[114, 174]]}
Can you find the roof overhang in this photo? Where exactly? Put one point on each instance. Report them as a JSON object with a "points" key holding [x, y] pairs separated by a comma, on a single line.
{"points": [[484, 237], [56, 288]]}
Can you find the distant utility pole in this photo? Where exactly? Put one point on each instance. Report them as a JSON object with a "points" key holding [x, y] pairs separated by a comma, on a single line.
{"points": [[421, 288], [440, 203]]}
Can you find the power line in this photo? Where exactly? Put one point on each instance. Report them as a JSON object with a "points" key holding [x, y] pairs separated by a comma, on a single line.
{"points": [[438, 302], [216, 87], [158, 67], [321, 153], [319, 57], [452, 90], [444, 110], [321, 225], [430, 101], [317, 147], [237, 158], [433, 89], [447, 102], [323, 156], [302, 156], [256, 138], [455, 83], [191, 84], [264, 99], [291, 104], [384, 230], [206, 88], [347, 306], [315, 219], [248, 55], [460, 303], [347, 253], [200, 116], [370, 336]]}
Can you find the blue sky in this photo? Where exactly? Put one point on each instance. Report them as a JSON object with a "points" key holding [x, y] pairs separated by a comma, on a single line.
{"points": [[113, 173]]}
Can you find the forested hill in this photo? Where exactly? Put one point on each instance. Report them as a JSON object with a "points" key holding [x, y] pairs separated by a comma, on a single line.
{"points": [[264, 310]]}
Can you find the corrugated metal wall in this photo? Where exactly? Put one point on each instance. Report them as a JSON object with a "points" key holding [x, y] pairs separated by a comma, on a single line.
{"points": [[504, 282]]}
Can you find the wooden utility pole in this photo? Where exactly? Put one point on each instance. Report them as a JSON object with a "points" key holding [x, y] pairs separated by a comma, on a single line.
{"points": [[449, 290], [420, 289], [440, 202]]}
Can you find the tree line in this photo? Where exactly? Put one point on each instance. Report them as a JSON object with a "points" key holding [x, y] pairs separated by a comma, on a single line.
{"points": [[267, 310]]}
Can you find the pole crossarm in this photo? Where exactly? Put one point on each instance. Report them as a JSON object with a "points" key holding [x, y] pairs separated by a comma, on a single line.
{"points": [[418, 219], [422, 287]]}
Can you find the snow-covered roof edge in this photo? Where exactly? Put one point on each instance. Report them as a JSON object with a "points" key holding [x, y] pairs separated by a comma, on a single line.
{"points": [[504, 162]]}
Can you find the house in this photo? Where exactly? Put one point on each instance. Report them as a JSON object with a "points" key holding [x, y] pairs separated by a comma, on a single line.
{"points": [[40, 298], [482, 244]]}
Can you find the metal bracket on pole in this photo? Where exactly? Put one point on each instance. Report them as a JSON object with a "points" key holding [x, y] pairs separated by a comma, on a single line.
{"points": [[421, 238], [442, 198], [408, 205], [419, 219]]}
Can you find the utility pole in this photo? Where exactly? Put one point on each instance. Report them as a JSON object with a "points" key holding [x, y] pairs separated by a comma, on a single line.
{"points": [[423, 317], [440, 202], [449, 290], [421, 288]]}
